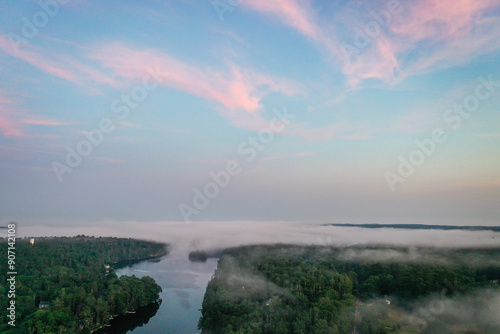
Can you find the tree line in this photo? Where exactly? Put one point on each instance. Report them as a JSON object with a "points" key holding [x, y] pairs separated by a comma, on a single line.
{"points": [[71, 274], [292, 289]]}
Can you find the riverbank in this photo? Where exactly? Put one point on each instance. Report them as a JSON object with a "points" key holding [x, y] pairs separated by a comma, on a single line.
{"points": [[71, 277]]}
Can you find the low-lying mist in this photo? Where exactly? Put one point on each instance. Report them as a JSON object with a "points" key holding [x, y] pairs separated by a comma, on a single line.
{"points": [[473, 312], [212, 236]]}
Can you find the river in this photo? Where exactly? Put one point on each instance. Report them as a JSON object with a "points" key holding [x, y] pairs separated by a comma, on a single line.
{"points": [[183, 283]]}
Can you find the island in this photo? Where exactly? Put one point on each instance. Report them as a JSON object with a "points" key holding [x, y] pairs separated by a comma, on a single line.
{"points": [[68, 284], [198, 256], [280, 289], [421, 227]]}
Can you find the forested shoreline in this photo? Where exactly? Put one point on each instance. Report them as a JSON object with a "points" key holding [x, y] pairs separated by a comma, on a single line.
{"points": [[298, 289], [67, 284]]}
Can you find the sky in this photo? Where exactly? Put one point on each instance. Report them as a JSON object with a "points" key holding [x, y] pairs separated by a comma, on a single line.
{"points": [[303, 111]]}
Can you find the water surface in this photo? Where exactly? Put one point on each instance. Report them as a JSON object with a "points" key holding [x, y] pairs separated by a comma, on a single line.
{"points": [[183, 283]]}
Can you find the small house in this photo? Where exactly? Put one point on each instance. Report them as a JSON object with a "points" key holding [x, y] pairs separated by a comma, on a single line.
{"points": [[44, 305]]}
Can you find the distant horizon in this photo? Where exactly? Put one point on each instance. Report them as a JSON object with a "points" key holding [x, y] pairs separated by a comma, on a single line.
{"points": [[55, 224], [430, 226], [216, 235]]}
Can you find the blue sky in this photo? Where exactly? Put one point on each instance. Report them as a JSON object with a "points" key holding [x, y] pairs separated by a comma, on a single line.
{"points": [[175, 90]]}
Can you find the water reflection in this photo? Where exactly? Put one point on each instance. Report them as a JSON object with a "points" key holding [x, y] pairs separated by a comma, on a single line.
{"points": [[183, 283], [126, 323]]}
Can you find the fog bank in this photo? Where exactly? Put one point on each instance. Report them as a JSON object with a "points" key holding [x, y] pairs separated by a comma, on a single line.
{"points": [[219, 235]]}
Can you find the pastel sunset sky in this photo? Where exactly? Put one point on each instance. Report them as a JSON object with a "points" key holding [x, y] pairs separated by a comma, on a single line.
{"points": [[394, 110]]}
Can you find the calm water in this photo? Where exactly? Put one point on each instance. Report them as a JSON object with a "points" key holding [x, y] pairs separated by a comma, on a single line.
{"points": [[183, 283]]}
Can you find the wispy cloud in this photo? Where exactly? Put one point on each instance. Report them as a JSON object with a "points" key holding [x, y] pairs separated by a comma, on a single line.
{"points": [[9, 126], [45, 122], [57, 65], [450, 31], [9, 123], [28, 149], [378, 62], [300, 16], [12, 123], [131, 125], [238, 90], [163, 128], [441, 20]]}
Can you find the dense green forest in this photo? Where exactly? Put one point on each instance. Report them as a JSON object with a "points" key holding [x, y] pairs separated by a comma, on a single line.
{"points": [[71, 277], [198, 256], [291, 289]]}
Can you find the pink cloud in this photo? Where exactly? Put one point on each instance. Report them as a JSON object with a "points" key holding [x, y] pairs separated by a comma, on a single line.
{"points": [[236, 90], [290, 12], [59, 66], [12, 124], [130, 125], [44, 122], [9, 126], [454, 31], [460, 51], [451, 31], [441, 19], [378, 62], [298, 15], [28, 149]]}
